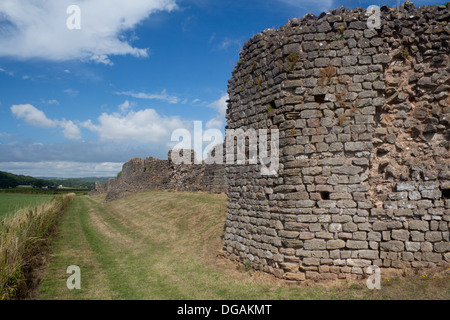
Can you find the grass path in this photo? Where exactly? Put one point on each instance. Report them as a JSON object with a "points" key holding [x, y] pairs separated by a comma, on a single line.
{"points": [[163, 245]]}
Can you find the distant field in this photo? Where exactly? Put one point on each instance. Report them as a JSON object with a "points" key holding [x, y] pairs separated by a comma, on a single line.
{"points": [[10, 203], [164, 246]]}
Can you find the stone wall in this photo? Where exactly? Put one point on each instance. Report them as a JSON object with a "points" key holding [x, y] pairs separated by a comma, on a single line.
{"points": [[363, 117], [140, 175], [100, 188]]}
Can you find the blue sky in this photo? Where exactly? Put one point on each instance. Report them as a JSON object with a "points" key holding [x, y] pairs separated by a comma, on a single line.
{"points": [[77, 103]]}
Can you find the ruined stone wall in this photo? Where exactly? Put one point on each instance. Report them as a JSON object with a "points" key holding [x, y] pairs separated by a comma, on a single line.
{"points": [[100, 188], [363, 116], [197, 177], [140, 175]]}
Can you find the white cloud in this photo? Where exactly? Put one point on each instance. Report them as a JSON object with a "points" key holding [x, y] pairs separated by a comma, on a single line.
{"points": [[321, 5], [220, 106], [70, 129], [124, 107], [6, 135], [186, 24], [38, 28], [227, 42], [211, 39], [215, 123], [141, 126], [71, 92], [163, 96], [14, 150], [52, 101], [9, 73], [63, 169], [37, 118], [32, 116]]}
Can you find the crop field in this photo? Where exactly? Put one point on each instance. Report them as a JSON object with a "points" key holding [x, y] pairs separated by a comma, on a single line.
{"points": [[10, 203], [162, 245]]}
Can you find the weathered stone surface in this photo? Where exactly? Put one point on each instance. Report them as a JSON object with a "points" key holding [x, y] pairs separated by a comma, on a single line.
{"points": [[364, 128], [368, 254], [418, 225], [433, 236], [393, 245], [315, 244], [402, 235], [357, 244], [297, 276], [335, 244], [412, 246], [380, 226], [442, 247], [140, 175]]}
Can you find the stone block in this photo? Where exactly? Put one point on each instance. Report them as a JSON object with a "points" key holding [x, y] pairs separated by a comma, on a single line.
{"points": [[381, 58], [380, 226], [442, 247], [368, 254], [349, 227], [315, 244], [357, 244], [307, 114], [306, 235], [393, 245], [433, 236], [335, 244], [400, 235], [432, 257], [295, 276], [412, 246], [419, 225]]}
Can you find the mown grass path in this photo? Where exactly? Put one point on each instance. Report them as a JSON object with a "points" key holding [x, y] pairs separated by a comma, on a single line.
{"points": [[163, 245]]}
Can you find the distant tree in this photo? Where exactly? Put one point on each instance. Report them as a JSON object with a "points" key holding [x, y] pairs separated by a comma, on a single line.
{"points": [[38, 183], [7, 181]]}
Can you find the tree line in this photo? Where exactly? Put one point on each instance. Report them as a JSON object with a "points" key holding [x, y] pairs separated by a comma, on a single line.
{"points": [[10, 180]]}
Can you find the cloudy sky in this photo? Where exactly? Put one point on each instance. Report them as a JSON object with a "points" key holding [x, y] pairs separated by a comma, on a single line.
{"points": [[79, 97]]}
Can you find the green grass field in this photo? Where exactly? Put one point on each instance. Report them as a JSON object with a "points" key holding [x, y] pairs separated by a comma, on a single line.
{"points": [[10, 203], [164, 246]]}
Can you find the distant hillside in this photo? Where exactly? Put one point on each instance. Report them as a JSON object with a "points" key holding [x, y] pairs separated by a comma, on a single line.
{"points": [[10, 180]]}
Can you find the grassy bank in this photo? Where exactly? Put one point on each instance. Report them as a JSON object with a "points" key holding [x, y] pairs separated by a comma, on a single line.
{"points": [[22, 235], [164, 245]]}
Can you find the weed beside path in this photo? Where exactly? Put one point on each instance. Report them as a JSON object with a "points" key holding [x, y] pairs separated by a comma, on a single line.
{"points": [[23, 236]]}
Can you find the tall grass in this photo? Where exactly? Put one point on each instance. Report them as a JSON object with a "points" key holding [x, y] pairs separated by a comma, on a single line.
{"points": [[22, 235]]}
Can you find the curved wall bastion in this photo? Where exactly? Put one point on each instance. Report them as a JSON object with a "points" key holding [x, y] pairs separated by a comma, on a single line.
{"points": [[364, 127]]}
